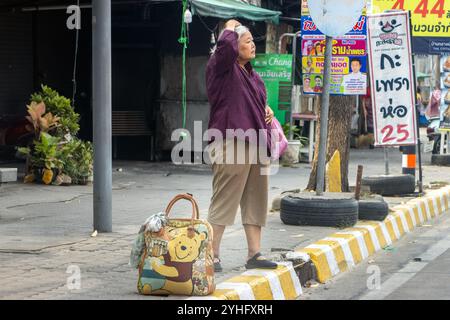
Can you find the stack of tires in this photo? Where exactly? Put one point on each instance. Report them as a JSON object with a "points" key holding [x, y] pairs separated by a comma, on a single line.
{"points": [[390, 185], [308, 210], [373, 208], [440, 159], [338, 211]]}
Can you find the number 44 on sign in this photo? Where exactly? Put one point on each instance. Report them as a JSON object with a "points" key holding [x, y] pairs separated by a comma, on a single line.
{"points": [[423, 6]]}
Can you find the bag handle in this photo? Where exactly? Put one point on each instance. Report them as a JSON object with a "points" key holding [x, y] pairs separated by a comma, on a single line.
{"points": [[188, 197]]}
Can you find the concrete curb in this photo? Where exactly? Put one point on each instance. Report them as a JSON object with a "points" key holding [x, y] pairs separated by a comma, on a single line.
{"points": [[343, 250], [279, 284], [334, 254]]}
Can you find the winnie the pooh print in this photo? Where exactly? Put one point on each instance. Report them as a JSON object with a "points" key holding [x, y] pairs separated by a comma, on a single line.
{"points": [[172, 271]]}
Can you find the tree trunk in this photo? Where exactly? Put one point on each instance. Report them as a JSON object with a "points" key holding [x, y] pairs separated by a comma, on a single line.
{"points": [[339, 126]]}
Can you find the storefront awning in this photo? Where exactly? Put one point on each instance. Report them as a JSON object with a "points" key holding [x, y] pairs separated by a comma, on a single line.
{"points": [[227, 9]]}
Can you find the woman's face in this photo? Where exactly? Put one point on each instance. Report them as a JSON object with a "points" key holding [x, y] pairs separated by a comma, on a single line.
{"points": [[307, 82], [247, 49], [319, 49]]}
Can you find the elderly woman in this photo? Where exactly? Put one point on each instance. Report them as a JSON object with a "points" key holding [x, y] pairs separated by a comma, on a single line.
{"points": [[237, 97]]}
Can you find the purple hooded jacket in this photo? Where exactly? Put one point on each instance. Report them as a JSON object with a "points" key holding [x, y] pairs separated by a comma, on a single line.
{"points": [[237, 98]]}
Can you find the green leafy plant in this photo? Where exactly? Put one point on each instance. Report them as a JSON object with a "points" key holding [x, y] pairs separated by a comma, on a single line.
{"points": [[296, 133], [48, 151], [78, 160], [59, 106], [56, 153], [45, 152]]}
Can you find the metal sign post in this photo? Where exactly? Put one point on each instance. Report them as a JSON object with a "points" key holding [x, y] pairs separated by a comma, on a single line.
{"points": [[333, 18], [324, 108], [419, 152], [101, 65]]}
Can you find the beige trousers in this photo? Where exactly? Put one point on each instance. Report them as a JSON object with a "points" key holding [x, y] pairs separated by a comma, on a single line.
{"points": [[238, 183]]}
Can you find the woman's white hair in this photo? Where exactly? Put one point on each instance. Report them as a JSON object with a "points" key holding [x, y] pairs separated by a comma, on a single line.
{"points": [[240, 30]]}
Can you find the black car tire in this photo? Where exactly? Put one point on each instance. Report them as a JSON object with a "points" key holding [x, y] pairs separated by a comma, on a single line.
{"points": [[373, 209], [390, 185], [440, 159], [324, 211]]}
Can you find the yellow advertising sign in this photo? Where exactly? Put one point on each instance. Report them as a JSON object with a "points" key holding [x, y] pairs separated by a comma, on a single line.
{"points": [[305, 10], [430, 18]]}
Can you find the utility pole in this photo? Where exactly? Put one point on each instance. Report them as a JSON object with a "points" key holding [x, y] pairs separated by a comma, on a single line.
{"points": [[102, 96]]}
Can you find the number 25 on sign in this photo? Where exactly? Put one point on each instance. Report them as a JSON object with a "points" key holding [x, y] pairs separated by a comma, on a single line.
{"points": [[422, 8], [401, 135]]}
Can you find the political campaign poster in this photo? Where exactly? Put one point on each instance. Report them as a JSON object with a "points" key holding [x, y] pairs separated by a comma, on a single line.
{"points": [[392, 90], [430, 22], [349, 61]]}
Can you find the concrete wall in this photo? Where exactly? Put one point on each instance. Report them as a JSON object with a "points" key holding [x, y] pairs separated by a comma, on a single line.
{"points": [[169, 115], [16, 62], [273, 35], [171, 112]]}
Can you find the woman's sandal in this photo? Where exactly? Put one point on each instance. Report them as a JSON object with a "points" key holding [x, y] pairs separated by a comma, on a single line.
{"points": [[259, 262], [217, 266]]}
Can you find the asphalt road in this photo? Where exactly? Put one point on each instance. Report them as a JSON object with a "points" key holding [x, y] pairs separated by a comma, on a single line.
{"points": [[417, 267]]}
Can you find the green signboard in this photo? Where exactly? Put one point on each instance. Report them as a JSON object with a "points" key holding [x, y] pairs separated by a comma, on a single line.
{"points": [[276, 72]]}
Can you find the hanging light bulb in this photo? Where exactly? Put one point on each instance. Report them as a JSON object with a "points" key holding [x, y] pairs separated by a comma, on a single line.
{"points": [[187, 16], [213, 38]]}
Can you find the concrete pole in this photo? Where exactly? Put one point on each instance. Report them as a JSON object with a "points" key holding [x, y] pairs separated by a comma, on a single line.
{"points": [[324, 117], [102, 96]]}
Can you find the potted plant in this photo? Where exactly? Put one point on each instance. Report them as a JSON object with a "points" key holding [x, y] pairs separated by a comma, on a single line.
{"points": [[60, 106], [56, 155], [45, 158], [78, 161], [292, 153]]}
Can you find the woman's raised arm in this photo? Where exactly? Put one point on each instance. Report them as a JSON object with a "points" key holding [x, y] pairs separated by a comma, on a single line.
{"points": [[227, 50]]}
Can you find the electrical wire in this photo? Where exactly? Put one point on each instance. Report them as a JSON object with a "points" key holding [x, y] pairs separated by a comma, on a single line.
{"points": [[183, 40], [206, 26], [74, 78]]}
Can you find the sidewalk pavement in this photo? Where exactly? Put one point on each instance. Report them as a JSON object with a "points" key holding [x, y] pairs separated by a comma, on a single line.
{"points": [[45, 230]]}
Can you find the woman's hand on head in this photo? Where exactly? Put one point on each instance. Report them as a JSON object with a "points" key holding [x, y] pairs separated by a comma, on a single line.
{"points": [[232, 24], [269, 115]]}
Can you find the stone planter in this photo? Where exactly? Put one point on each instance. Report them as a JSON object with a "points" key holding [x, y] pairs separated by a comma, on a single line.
{"points": [[85, 180], [291, 155]]}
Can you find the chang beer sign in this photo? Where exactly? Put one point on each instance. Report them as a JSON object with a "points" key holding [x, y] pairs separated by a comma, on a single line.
{"points": [[276, 72], [273, 67]]}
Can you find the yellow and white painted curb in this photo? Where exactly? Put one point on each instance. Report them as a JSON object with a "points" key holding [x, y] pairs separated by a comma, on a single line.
{"points": [[260, 284], [334, 254], [343, 250]]}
